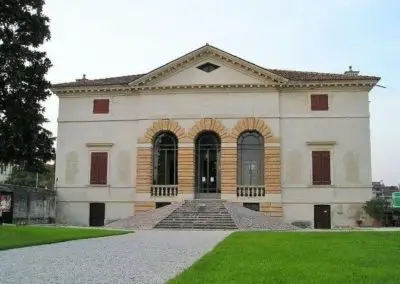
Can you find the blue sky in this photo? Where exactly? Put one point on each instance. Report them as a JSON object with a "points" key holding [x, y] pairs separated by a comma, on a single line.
{"points": [[109, 38]]}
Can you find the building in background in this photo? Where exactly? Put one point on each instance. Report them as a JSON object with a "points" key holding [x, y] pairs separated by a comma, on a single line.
{"points": [[379, 189]]}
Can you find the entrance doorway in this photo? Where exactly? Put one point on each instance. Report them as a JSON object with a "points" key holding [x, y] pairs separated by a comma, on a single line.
{"points": [[322, 216], [207, 172], [97, 214]]}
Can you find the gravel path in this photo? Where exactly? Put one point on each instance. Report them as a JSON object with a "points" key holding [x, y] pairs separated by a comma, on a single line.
{"points": [[249, 220], [142, 257]]}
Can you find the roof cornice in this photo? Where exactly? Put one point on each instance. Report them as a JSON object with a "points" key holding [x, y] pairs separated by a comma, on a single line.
{"points": [[137, 89]]}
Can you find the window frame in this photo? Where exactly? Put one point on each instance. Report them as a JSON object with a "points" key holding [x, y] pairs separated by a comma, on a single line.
{"points": [[95, 148], [98, 183], [240, 148], [154, 179], [321, 170]]}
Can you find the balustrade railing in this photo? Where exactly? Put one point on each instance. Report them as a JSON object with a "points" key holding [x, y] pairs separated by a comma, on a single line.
{"points": [[164, 190], [250, 190]]}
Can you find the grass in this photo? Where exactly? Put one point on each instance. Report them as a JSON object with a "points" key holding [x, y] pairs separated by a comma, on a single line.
{"points": [[17, 236], [324, 257]]}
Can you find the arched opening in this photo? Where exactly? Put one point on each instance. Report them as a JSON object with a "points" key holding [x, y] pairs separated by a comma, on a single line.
{"points": [[207, 165], [165, 159], [250, 153]]}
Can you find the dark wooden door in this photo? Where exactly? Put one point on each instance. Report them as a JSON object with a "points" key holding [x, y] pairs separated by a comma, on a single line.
{"points": [[97, 214], [322, 216]]}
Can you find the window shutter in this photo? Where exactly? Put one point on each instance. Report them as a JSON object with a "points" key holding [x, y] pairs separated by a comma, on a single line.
{"points": [[314, 102], [103, 165], [323, 102], [98, 168], [94, 177], [316, 167], [326, 167], [321, 167], [319, 102], [101, 106]]}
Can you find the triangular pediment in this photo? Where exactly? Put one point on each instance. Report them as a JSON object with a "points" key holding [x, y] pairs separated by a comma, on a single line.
{"points": [[187, 70]]}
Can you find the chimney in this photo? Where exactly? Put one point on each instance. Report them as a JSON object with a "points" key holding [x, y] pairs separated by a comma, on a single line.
{"points": [[350, 72], [83, 78]]}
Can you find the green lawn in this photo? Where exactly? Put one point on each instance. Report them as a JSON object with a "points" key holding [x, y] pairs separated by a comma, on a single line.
{"points": [[17, 236], [276, 257]]}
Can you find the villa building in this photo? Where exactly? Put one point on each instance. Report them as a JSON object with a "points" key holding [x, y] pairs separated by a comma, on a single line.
{"points": [[209, 124]]}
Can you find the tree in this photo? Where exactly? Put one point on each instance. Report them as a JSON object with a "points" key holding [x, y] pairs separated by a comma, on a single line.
{"points": [[45, 179], [23, 87], [375, 208]]}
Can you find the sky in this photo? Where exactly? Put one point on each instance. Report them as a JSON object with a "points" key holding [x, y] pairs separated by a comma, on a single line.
{"points": [[103, 38]]}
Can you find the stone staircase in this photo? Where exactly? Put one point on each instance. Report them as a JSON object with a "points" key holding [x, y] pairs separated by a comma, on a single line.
{"points": [[199, 214]]}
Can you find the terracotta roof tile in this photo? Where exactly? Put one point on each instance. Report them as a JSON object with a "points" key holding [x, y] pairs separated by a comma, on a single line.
{"points": [[317, 76], [291, 75], [111, 81]]}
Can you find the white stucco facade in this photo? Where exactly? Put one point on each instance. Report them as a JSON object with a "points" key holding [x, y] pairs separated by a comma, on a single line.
{"points": [[343, 130]]}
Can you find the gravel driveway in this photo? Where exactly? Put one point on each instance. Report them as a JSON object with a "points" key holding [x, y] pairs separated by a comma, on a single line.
{"points": [[142, 257]]}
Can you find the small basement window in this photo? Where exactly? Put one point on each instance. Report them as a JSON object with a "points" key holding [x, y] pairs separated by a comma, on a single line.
{"points": [[252, 206], [162, 204], [208, 67]]}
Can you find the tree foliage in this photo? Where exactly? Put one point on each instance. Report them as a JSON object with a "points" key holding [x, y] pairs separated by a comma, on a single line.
{"points": [[45, 179], [23, 87], [376, 207]]}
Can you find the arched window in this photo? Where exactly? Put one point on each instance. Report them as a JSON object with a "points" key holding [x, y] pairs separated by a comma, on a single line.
{"points": [[250, 158], [165, 159]]}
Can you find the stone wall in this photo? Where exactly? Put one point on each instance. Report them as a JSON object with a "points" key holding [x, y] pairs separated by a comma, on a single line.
{"points": [[30, 205]]}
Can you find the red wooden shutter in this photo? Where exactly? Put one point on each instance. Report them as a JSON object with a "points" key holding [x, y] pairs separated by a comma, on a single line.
{"points": [[94, 177], [321, 167], [101, 106], [316, 167], [103, 167], [98, 168], [314, 102], [319, 102], [323, 102], [326, 167]]}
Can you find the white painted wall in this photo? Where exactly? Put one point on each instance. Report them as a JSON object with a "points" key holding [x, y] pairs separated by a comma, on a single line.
{"points": [[286, 112], [223, 75], [347, 124]]}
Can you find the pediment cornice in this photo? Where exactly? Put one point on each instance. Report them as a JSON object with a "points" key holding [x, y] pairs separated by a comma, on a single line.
{"points": [[202, 54]]}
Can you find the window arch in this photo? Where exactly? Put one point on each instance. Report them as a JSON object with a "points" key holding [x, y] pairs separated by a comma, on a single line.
{"points": [[250, 158], [165, 159]]}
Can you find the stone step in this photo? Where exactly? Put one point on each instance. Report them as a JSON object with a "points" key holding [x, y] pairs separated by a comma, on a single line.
{"points": [[198, 225], [194, 222], [199, 214], [199, 228], [219, 220]]}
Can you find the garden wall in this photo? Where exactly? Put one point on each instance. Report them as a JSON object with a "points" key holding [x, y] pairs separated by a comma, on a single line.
{"points": [[29, 205]]}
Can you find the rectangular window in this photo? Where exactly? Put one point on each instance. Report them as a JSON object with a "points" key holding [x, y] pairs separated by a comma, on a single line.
{"points": [[252, 206], [319, 102], [321, 167], [162, 204], [101, 106], [98, 167]]}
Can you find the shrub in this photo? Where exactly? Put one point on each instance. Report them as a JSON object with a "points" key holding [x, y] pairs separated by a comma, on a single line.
{"points": [[376, 207]]}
